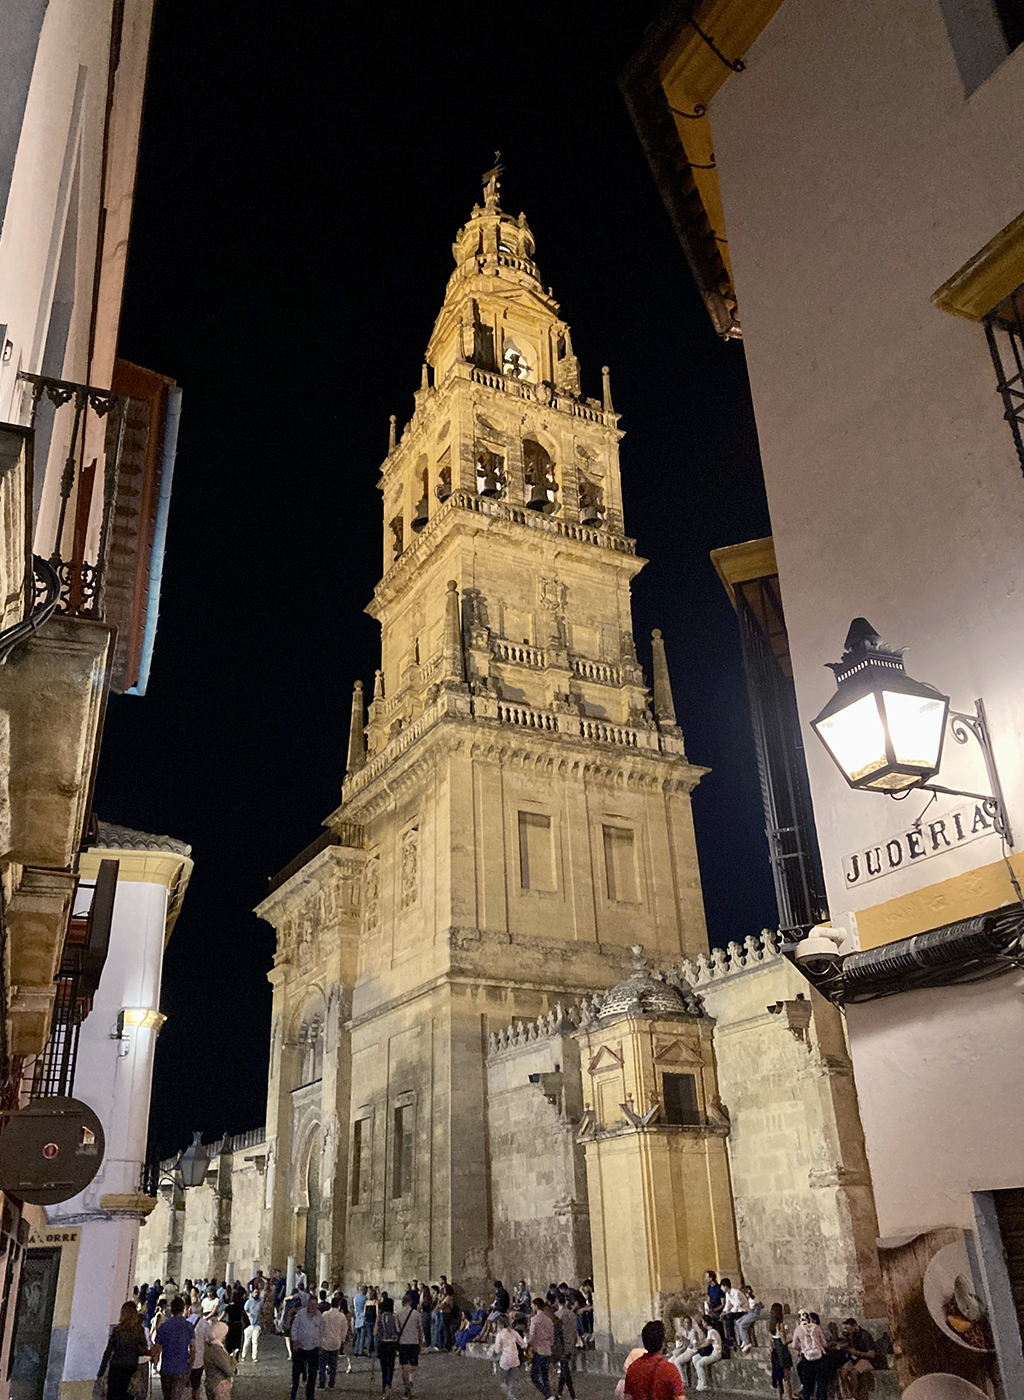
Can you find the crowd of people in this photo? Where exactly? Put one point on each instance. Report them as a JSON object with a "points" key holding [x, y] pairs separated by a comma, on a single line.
{"points": [[840, 1365], [197, 1336]]}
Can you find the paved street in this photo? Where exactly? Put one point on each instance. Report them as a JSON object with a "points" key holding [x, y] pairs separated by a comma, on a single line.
{"points": [[441, 1377]]}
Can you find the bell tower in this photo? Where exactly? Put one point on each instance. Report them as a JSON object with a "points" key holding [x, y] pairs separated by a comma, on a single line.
{"points": [[519, 810]]}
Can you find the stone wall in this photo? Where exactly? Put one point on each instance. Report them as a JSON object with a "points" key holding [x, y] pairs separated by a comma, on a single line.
{"points": [[540, 1224], [805, 1215], [212, 1230]]}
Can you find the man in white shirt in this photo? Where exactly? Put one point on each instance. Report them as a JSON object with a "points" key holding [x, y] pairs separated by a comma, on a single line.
{"points": [[736, 1305], [253, 1309], [335, 1334]]}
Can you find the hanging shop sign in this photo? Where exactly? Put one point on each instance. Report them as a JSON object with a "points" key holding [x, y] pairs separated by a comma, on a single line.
{"points": [[921, 841]]}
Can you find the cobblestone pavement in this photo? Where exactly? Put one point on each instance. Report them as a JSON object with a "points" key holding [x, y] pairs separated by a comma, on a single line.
{"points": [[441, 1377]]}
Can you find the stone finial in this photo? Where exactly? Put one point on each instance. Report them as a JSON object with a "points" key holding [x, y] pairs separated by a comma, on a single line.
{"points": [[378, 685], [356, 741], [664, 706], [606, 389], [425, 376], [392, 421], [455, 661]]}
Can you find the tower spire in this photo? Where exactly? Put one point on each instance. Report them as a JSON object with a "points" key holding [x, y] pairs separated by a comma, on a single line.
{"points": [[492, 184], [356, 749], [664, 707]]}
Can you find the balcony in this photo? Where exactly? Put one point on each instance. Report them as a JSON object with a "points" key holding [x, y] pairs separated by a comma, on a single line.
{"points": [[82, 483]]}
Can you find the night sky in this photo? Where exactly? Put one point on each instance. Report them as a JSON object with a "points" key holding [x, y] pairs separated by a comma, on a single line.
{"points": [[299, 188]]}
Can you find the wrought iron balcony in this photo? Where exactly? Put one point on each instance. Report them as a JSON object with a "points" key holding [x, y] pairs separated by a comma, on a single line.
{"points": [[80, 576]]}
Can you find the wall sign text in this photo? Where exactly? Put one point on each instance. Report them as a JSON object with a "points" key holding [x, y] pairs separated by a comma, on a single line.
{"points": [[920, 842]]}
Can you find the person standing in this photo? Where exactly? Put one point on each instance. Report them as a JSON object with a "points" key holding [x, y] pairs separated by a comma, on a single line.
{"points": [[307, 1333], [566, 1333], [385, 1337], [508, 1343], [782, 1357], [234, 1316], [410, 1339], [427, 1314], [359, 1320], [542, 1338], [444, 1317], [809, 1340], [652, 1376], [335, 1331], [254, 1323], [373, 1303], [174, 1347], [152, 1298], [202, 1332], [218, 1366], [125, 1348]]}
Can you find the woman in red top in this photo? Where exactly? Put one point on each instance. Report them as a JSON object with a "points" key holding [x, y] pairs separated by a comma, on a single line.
{"points": [[653, 1377]]}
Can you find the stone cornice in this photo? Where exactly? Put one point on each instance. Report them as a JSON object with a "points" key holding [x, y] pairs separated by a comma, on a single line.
{"points": [[466, 513], [446, 727], [311, 877]]}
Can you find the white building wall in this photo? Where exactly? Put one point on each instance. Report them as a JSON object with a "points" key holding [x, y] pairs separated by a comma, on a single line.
{"points": [[857, 177], [114, 1078]]}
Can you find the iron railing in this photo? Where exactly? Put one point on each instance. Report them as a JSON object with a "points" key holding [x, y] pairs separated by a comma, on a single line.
{"points": [[782, 769], [1004, 328], [81, 578]]}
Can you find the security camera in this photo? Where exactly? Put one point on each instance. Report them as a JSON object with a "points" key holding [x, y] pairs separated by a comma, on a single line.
{"points": [[819, 951]]}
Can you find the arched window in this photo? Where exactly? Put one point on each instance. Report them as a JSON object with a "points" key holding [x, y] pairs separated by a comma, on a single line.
{"points": [[514, 362], [539, 472], [311, 1050], [490, 472]]}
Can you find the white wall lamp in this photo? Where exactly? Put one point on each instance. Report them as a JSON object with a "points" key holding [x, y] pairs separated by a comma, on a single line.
{"points": [[885, 730]]}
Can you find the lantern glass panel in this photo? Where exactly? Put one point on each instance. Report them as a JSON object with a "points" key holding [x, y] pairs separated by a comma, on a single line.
{"points": [[916, 724], [856, 738]]}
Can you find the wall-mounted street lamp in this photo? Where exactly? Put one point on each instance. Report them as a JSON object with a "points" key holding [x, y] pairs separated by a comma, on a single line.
{"points": [[885, 730], [193, 1162]]}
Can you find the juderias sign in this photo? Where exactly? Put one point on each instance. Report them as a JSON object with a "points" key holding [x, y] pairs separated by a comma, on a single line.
{"points": [[920, 842]]}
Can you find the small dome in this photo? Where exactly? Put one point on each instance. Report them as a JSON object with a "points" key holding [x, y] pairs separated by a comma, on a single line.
{"points": [[641, 994]]}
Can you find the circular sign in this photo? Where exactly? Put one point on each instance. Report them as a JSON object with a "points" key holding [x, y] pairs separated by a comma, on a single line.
{"points": [[50, 1150]]}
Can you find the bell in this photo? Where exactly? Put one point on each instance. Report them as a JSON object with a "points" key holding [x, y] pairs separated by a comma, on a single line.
{"points": [[539, 498], [589, 513], [443, 489], [489, 484], [420, 515]]}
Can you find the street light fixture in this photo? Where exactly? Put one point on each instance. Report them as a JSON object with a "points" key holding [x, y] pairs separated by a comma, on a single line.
{"points": [[193, 1162], [885, 730]]}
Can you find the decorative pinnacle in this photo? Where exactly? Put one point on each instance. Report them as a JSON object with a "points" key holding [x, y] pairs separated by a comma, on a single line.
{"points": [[606, 389], [391, 433]]}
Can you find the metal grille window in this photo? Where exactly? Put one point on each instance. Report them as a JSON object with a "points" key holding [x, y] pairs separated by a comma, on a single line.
{"points": [[1004, 327], [782, 770]]}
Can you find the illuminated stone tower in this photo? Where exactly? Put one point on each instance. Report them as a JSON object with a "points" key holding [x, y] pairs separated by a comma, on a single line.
{"points": [[518, 815]]}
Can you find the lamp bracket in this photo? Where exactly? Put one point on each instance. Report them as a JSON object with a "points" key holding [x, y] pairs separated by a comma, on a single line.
{"points": [[962, 727]]}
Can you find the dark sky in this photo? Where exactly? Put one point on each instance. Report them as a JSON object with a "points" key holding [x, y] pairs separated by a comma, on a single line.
{"points": [[300, 184]]}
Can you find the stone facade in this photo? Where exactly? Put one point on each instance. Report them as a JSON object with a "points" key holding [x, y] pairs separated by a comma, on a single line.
{"points": [[450, 1091], [538, 1170]]}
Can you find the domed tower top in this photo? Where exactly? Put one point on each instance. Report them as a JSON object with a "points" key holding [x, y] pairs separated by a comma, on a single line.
{"points": [[497, 312]]}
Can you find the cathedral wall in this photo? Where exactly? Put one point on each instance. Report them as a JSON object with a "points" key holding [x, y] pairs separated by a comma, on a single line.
{"points": [[805, 1214], [540, 1228]]}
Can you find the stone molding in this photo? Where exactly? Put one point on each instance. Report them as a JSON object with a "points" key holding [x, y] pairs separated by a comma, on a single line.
{"points": [[757, 951]]}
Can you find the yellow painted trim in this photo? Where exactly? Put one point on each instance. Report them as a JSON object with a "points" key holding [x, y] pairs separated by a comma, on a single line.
{"points": [[129, 1200], [961, 897], [988, 277], [139, 867], [165, 868], [737, 563], [691, 74]]}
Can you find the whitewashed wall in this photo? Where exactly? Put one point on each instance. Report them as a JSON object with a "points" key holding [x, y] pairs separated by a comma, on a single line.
{"points": [[857, 177]]}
